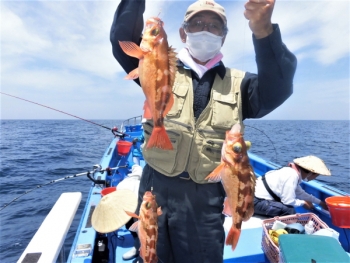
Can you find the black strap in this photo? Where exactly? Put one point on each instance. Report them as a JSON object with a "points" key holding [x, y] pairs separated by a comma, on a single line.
{"points": [[269, 189]]}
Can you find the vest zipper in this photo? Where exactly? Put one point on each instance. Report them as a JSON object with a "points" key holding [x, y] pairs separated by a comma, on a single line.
{"points": [[188, 127], [210, 131]]}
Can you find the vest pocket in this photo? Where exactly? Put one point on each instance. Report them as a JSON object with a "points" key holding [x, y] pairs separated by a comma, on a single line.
{"points": [[179, 93], [162, 160], [225, 110], [212, 149], [210, 158]]}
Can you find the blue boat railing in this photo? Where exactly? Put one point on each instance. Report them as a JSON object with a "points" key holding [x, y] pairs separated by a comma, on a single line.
{"points": [[131, 124]]}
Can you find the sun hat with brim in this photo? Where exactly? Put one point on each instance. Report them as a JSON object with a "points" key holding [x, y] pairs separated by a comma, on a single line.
{"points": [[205, 5], [313, 164], [109, 215]]}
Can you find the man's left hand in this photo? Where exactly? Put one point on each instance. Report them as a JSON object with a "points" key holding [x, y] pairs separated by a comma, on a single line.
{"points": [[259, 13]]}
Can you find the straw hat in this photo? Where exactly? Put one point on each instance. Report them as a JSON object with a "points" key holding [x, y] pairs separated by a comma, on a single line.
{"points": [[109, 215], [205, 5], [313, 164]]}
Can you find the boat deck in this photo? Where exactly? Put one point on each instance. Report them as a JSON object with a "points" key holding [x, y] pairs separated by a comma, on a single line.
{"points": [[248, 248]]}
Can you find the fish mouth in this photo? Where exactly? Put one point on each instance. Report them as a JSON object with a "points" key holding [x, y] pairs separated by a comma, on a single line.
{"points": [[156, 20], [148, 195]]}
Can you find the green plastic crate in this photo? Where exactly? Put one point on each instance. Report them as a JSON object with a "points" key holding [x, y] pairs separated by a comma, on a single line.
{"points": [[311, 249]]}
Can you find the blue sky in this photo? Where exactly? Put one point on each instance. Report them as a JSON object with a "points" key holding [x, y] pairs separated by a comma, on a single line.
{"points": [[58, 53]]}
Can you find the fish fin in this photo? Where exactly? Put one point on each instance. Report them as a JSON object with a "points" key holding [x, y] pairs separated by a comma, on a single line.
{"points": [[159, 211], [249, 213], [147, 113], [215, 176], [249, 207], [134, 74], [227, 210], [132, 214], [232, 237], [131, 49], [134, 227], [172, 65], [159, 139]]}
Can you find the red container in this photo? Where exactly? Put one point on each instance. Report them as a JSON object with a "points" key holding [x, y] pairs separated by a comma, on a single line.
{"points": [[108, 190], [339, 208], [123, 147]]}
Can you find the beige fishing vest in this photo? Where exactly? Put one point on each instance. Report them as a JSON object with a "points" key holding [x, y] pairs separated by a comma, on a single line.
{"points": [[197, 144]]}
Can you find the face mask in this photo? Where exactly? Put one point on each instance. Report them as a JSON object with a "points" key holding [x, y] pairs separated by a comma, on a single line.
{"points": [[307, 177], [203, 45]]}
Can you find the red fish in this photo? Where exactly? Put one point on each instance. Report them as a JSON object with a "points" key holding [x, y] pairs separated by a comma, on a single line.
{"points": [[147, 227], [238, 179], [156, 71]]}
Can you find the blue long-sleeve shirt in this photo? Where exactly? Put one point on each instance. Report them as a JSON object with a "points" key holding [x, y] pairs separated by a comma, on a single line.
{"points": [[261, 93]]}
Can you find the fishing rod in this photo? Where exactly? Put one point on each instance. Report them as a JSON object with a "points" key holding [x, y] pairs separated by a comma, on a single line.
{"points": [[114, 129], [267, 138], [96, 168]]}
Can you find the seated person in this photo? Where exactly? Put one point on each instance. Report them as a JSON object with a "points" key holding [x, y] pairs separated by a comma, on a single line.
{"points": [[136, 149], [278, 192]]}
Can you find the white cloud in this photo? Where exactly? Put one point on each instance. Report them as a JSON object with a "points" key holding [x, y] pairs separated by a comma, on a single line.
{"points": [[315, 29], [52, 49], [65, 34], [16, 38], [316, 99]]}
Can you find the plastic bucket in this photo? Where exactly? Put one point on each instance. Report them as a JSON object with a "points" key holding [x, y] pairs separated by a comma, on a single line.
{"points": [[108, 190], [339, 208], [123, 147]]}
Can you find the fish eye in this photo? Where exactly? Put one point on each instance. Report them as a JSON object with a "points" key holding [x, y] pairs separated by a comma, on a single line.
{"points": [[155, 32], [237, 147], [148, 205]]}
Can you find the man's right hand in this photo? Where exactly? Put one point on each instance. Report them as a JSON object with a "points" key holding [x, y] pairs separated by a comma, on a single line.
{"points": [[259, 13], [308, 205]]}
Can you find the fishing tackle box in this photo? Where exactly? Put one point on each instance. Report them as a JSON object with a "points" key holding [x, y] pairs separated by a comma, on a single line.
{"points": [[271, 250], [311, 248]]}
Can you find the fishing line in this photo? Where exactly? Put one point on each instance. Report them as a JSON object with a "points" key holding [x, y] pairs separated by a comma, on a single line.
{"points": [[97, 168], [267, 137], [114, 130]]}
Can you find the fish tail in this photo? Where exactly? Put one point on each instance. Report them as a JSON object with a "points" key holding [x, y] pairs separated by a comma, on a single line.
{"points": [[232, 237], [159, 139]]}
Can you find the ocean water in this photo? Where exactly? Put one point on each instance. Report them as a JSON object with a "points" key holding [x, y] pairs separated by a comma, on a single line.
{"points": [[35, 152]]}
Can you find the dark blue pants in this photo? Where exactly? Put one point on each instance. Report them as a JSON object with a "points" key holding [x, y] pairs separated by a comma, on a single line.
{"points": [[271, 208], [191, 226]]}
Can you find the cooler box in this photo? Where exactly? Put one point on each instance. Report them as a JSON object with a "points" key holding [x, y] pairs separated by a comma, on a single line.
{"points": [[310, 248]]}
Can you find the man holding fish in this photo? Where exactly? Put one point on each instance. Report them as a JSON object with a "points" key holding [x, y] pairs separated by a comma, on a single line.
{"points": [[192, 103]]}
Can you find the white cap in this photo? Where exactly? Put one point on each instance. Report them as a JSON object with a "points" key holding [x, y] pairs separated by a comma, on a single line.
{"points": [[205, 5]]}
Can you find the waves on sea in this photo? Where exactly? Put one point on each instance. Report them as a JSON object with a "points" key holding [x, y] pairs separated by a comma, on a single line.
{"points": [[35, 152]]}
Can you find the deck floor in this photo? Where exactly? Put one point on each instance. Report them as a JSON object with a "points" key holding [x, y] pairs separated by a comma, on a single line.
{"points": [[248, 248]]}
